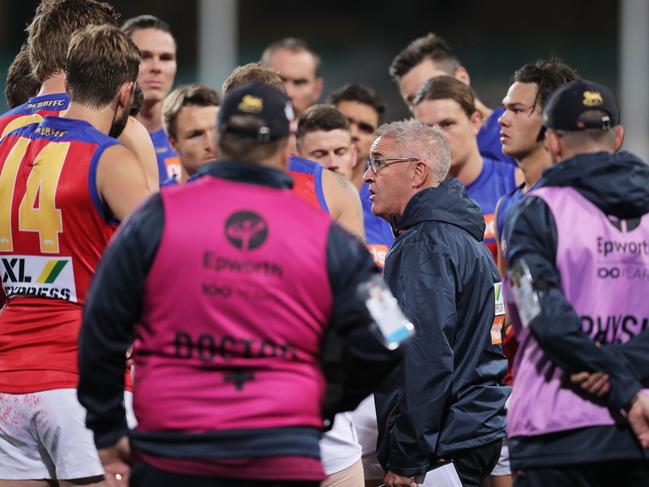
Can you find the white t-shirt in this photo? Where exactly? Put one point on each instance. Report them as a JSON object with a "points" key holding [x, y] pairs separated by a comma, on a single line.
{"points": [[339, 447], [364, 418]]}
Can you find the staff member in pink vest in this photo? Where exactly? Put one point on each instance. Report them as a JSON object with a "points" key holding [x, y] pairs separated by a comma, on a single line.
{"points": [[578, 270], [253, 320]]}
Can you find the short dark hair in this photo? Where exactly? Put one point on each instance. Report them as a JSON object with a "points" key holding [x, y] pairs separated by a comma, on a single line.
{"points": [[547, 74], [145, 22], [54, 24], [138, 100], [21, 84], [100, 60], [249, 73], [320, 117], [447, 87], [237, 147], [293, 44], [359, 93], [430, 46], [194, 95]]}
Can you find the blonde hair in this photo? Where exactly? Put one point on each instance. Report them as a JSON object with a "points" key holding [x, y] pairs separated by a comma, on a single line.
{"points": [[194, 94]]}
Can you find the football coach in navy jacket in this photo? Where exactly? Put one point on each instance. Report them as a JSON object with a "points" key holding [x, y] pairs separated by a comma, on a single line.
{"points": [[446, 402]]}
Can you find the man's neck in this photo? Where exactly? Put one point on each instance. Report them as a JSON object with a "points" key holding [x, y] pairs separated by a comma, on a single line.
{"points": [[53, 85], [533, 165], [184, 176], [484, 110], [357, 174], [470, 170], [151, 116], [101, 119]]}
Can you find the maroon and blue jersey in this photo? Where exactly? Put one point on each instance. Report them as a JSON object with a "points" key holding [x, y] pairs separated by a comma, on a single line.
{"points": [[170, 181], [168, 160], [54, 228], [378, 232], [505, 206], [307, 181], [495, 180], [33, 110]]}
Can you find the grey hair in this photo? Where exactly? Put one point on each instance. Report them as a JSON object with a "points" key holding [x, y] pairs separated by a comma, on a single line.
{"points": [[422, 141]]}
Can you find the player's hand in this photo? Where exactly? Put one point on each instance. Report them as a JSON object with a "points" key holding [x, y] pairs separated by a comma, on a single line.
{"points": [[639, 418], [596, 383], [391, 479], [117, 460]]}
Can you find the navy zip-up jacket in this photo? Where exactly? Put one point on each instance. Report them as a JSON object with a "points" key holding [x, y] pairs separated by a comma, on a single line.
{"points": [[447, 396], [618, 184]]}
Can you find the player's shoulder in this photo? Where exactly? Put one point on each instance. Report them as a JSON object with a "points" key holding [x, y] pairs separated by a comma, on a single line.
{"points": [[135, 129], [117, 152], [499, 169], [55, 102], [75, 130], [298, 164], [338, 182]]}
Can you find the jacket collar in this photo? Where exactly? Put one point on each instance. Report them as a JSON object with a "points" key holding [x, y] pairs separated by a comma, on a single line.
{"points": [[247, 172]]}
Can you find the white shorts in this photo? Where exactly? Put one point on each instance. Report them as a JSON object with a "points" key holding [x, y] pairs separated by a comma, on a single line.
{"points": [[502, 467], [43, 436], [364, 417]]}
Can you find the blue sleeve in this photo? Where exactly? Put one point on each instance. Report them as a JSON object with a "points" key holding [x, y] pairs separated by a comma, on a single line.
{"points": [[635, 353], [532, 236]]}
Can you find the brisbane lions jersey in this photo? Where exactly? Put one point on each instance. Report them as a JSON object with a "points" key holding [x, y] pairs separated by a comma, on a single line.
{"points": [[53, 230], [495, 180], [307, 181], [377, 231], [168, 160], [33, 110]]}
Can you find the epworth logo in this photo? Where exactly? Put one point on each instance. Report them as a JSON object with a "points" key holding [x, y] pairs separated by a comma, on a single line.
{"points": [[246, 230]]}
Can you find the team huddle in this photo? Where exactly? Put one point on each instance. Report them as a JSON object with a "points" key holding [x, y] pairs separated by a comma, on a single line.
{"points": [[216, 287]]}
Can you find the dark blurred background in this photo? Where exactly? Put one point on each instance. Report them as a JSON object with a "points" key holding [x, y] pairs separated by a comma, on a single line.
{"points": [[358, 39]]}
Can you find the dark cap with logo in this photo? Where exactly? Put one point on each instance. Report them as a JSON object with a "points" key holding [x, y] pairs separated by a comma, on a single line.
{"points": [[256, 110], [581, 105]]}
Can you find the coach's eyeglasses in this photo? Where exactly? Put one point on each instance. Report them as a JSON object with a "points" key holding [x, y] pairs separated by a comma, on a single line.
{"points": [[377, 164]]}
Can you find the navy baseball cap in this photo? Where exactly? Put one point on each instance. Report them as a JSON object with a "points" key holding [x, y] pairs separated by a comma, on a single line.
{"points": [[568, 106], [266, 107]]}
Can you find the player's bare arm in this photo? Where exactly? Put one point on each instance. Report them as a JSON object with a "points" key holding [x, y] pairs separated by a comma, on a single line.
{"points": [[138, 140], [344, 203], [121, 181]]}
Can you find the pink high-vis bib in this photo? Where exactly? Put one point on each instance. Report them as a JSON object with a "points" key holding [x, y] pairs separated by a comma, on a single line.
{"points": [[236, 306], [604, 267]]}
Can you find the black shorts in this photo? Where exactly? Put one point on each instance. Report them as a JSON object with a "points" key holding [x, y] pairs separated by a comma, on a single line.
{"points": [[144, 475], [474, 465], [632, 473]]}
